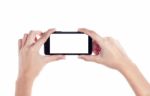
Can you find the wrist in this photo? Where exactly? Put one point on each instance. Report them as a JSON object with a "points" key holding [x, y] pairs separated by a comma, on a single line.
{"points": [[125, 65], [23, 86], [25, 78]]}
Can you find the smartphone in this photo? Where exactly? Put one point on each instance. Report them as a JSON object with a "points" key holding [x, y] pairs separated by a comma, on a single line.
{"points": [[68, 43]]}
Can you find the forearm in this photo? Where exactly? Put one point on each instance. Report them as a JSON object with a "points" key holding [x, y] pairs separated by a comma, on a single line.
{"points": [[138, 83], [23, 86]]}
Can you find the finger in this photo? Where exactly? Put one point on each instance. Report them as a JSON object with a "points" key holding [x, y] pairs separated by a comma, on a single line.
{"points": [[43, 39], [24, 39], [92, 34], [38, 36], [19, 44], [88, 57], [51, 58], [31, 37]]}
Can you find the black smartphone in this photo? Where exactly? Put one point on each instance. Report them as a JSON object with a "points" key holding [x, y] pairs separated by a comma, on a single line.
{"points": [[68, 43]]}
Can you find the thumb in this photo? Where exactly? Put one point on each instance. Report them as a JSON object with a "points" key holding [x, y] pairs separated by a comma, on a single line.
{"points": [[88, 57], [51, 58], [92, 58]]}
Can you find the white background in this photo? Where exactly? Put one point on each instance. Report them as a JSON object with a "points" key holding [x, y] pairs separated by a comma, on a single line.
{"points": [[126, 20]]}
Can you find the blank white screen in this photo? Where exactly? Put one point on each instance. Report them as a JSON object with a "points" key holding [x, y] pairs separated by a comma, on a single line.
{"points": [[68, 43]]}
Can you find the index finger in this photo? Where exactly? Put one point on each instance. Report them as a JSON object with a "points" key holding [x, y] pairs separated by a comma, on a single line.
{"points": [[92, 34], [43, 39], [31, 37]]}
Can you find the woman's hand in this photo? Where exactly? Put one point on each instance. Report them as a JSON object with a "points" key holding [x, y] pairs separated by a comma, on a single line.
{"points": [[30, 61], [107, 51]]}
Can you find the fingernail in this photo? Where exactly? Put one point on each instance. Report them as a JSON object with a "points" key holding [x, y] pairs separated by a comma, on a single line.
{"points": [[49, 30]]}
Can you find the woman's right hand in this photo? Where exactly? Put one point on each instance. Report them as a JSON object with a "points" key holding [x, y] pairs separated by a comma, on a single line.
{"points": [[107, 51]]}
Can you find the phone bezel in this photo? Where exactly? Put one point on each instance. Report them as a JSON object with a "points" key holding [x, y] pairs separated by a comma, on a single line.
{"points": [[47, 44]]}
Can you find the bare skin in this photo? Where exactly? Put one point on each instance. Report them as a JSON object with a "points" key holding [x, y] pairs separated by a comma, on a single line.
{"points": [[107, 52], [30, 61]]}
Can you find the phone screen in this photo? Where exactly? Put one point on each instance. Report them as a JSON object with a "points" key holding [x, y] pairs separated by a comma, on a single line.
{"points": [[69, 43]]}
